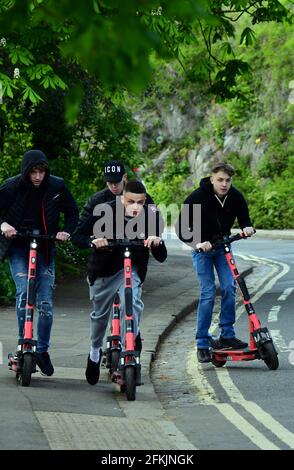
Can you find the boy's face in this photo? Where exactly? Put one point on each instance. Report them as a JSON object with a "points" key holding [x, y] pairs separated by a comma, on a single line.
{"points": [[221, 183], [36, 176], [133, 203], [117, 187]]}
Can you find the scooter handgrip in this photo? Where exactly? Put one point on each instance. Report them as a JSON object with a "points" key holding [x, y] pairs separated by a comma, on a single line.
{"points": [[243, 235]]}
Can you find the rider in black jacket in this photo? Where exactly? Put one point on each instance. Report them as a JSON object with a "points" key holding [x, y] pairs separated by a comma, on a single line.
{"points": [[34, 200], [22, 202], [220, 204], [217, 214], [116, 220]]}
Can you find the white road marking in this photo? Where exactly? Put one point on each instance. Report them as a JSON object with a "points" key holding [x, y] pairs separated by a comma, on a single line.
{"points": [[245, 427], [207, 396], [273, 313], [255, 410], [279, 341], [286, 293]]}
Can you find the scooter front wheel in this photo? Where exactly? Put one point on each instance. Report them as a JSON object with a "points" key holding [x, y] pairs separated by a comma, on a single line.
{"points": [[217, 363], [269, 355], [130, 382], [114, 360], [26, 374]]}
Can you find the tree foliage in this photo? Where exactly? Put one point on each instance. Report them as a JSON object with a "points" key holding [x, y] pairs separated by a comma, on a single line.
{"points": [[112, 39]]}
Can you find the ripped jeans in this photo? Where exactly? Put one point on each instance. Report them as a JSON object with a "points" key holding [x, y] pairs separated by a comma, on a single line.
{"points": [[44, 284]]}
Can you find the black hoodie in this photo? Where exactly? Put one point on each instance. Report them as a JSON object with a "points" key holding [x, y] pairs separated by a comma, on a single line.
{"points": [[20, 200], [32, 217], [217, 214]]}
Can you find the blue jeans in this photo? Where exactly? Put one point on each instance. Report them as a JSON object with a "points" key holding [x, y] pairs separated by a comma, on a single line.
{"points": [[204, 264], [44, 284]]}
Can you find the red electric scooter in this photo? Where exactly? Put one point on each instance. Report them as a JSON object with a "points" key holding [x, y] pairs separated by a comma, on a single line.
{"points": [[23, 363], [261, 344], [123, 361]]}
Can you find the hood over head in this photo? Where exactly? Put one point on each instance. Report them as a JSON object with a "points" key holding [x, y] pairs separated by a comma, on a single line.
{"points": [[31, 159], [206, 184]]}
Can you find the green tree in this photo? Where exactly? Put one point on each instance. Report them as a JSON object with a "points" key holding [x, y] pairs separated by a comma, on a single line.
{"points": [[112, 40]]}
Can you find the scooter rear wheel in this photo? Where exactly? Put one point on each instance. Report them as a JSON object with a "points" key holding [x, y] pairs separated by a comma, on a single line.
{"points": [[130, 382], [26, 374], [217, 363], [270, 356]]}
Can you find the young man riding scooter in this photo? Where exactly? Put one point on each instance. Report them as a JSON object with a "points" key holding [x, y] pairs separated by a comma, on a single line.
{"points": [[34, 200], [126, 217], [221, 204]]}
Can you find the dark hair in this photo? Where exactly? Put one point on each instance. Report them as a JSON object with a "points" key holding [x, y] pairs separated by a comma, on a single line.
{"points": [[225, 167], [134, 186], [40, 166]]}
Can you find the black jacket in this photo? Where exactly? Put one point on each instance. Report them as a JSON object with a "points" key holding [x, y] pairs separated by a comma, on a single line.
{"points": [[107, 262], [217, 215], [17, 194]]}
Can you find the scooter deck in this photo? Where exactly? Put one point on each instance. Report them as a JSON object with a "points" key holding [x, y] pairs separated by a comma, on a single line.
{"points": [[235, 354]]}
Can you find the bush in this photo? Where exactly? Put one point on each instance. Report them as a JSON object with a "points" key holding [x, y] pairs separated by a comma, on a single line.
{"points": [[167, 186], [7, 289], [272, 207]]}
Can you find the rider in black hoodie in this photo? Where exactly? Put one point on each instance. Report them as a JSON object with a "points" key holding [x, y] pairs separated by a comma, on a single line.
{"points": [[34, 200], [220, 204], [106, 266]]}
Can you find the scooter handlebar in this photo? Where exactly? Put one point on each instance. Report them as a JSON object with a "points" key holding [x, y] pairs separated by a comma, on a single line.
{"points": [[123, 242], [126, 243], [227, 240], [27, 234]]}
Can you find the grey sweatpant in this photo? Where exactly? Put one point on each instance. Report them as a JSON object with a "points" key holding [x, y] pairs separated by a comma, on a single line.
{"points": [[102, 293]]}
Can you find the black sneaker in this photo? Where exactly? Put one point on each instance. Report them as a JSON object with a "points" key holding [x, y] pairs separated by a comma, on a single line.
{"points": [[45, 364], [215, 343], [93, 370], [231, 343], [138, 343], [203, 355]]}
